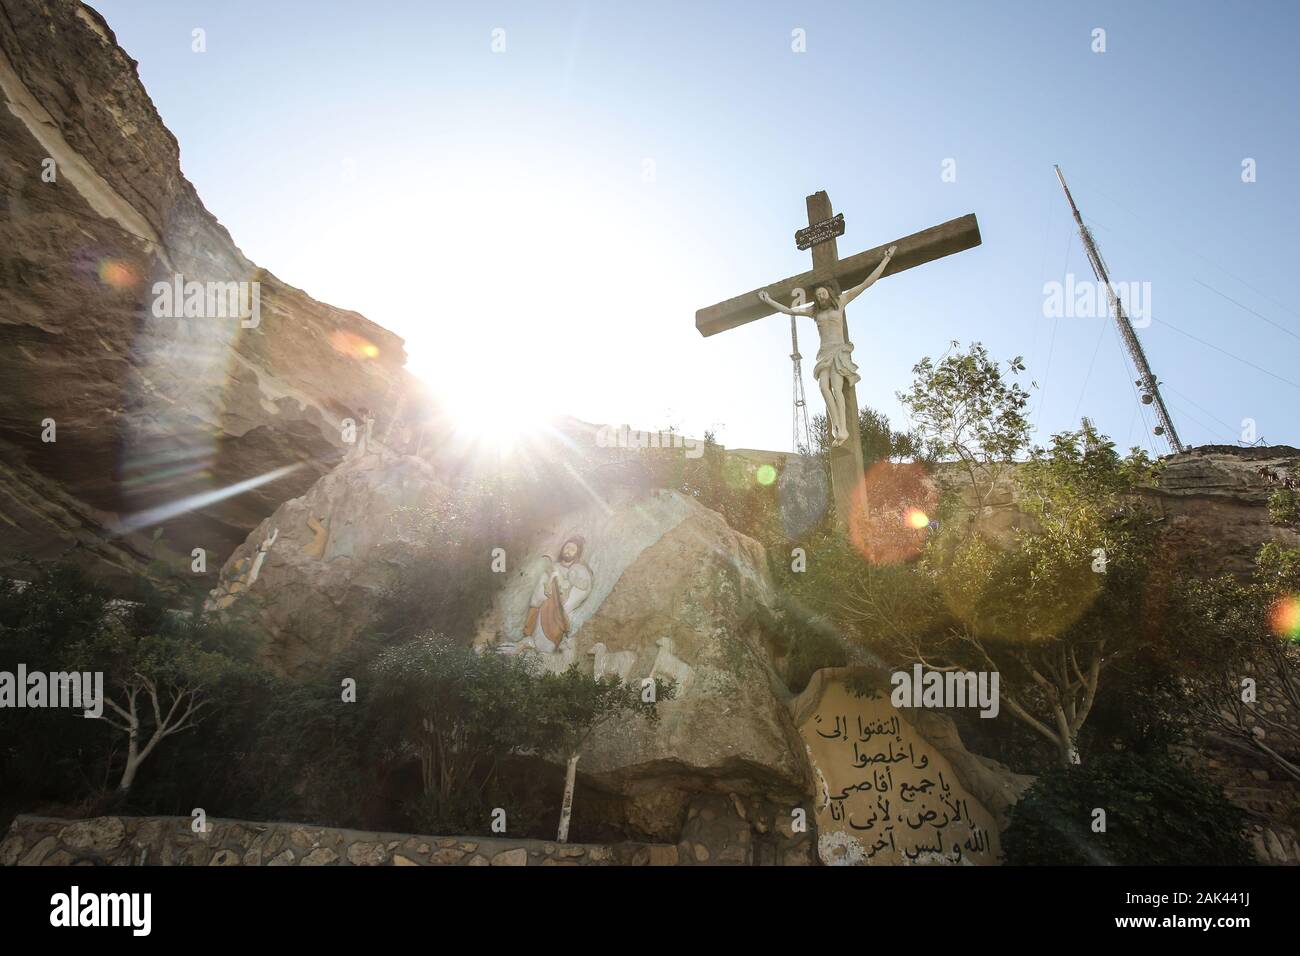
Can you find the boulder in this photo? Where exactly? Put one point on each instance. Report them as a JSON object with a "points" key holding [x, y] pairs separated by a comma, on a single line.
{"points": [[885, 794], [674, 593], [313, 574]]}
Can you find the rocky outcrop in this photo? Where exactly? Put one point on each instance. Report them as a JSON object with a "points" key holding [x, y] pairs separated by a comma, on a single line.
{"points": [[675, 592], [313, 574], [1215, 503], [147, 410], [172, 841]]}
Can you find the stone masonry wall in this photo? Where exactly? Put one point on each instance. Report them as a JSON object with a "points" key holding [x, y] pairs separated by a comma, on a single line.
{"points": [[171, 841]]}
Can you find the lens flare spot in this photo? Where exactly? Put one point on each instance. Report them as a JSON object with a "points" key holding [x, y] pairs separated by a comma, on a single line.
{"points": [[115, 274], [884, 527], [1286, 617], [766, 474], [916, 519], [351, 344]]}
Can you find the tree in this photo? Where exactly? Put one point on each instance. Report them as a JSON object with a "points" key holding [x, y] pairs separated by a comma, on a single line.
{"points": [[462, 713], [1050, 610], [47, 754], [151, 658], [156, 686], [962, 408], [572, 705]]}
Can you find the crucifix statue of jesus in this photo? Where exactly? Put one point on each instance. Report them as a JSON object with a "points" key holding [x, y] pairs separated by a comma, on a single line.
{"points": [[834, 368], [835, 372]]}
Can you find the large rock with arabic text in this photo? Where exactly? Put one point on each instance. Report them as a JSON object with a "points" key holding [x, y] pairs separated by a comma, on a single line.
{"points": [[884, 793]]}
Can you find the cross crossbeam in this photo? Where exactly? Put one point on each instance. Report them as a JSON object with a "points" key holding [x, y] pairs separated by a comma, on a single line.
{"points": [[956, 235]]}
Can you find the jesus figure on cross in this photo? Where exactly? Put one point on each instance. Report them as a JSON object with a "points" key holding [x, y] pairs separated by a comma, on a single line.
{"points": [[834, 366]]}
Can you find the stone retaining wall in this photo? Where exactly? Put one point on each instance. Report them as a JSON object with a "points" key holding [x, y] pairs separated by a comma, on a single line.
{"points": [[171, 841]]}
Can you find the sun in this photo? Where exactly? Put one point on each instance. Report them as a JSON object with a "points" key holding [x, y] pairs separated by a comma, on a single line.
{"points": [[494, 421]]}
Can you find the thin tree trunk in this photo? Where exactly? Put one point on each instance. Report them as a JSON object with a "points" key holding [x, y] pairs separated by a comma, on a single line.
{"points": [[1068, 749], [566, 808], [132, 765]]}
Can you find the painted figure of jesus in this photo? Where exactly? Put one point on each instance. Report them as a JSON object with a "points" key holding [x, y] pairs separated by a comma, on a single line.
{"points": [[835, 356], [561, 587]]}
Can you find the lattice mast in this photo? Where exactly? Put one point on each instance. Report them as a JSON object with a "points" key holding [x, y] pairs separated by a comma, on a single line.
{"points": [[1147, 380], [802, 430]]}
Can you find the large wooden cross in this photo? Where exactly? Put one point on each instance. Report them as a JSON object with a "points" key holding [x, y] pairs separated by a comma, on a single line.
{"points": [[830, 270]]}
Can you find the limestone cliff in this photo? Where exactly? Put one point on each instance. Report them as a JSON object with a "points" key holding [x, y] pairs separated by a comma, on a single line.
{"points": [[94, 210], [1215, 501]]}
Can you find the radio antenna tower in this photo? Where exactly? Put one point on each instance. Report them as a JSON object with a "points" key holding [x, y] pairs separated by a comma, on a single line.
{"points": [[1146, 380], [802, 431]]}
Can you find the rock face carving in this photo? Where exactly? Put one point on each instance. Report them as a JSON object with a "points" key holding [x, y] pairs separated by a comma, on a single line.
{"points": [[607, 663], [321, 535], [562, 584], [262, 550], [674, 589], [667, 664], [884, 794]]}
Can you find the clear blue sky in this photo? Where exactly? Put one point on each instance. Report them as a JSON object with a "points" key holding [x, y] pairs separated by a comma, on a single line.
{"points": [[496, 208]]}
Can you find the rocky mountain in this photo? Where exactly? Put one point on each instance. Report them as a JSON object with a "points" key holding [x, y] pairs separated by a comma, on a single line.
{"points": [[110, 406]]}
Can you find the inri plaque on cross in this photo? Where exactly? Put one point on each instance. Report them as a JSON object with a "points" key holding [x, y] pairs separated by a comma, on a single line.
{"points": [[822, 294]]}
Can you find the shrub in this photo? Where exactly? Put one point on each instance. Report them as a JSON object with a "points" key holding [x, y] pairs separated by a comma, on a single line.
{"points": [[1157, 813]]}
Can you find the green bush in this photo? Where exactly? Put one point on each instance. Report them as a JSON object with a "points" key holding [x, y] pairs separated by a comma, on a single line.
{"points": [[1157, 813]]}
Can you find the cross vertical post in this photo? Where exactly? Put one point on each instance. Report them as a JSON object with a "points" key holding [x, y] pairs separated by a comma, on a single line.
{"points": [[846, 459]]}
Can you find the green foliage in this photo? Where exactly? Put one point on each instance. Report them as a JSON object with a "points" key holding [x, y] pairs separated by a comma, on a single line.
{"points": [[272, 748], [1278, 569], [802, 643], [64, 621], [461, 714], [1077, 571], [48, 754], [1284, 507], [879, 441], [570, 705], [1050, 605], [1077, 486], [1156, 814], [962, 407]]}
